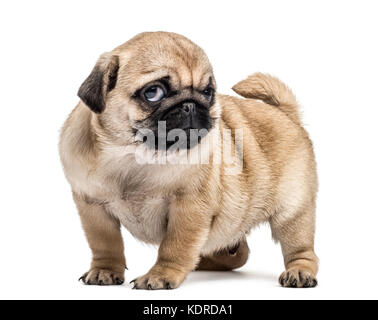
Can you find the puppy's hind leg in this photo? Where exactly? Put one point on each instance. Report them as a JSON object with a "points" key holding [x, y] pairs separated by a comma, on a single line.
{"points": [[105, 240], [226, 259], [296, 236]]}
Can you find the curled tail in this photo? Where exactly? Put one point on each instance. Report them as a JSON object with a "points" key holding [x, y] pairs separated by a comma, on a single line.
{"points": [[270, 90]]}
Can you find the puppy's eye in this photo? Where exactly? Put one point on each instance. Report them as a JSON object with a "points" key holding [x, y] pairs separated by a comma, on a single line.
{"points": [[154, 93], [208, 92]]}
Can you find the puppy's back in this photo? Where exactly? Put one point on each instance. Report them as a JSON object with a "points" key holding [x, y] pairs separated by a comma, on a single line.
{"points": [[281, 140]]}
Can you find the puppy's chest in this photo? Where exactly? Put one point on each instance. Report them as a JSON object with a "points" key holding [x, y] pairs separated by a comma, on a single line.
{"points": [[144, 216]]}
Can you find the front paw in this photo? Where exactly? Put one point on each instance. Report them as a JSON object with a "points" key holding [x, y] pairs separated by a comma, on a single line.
{"points": [[102, 277], [160, 278]]}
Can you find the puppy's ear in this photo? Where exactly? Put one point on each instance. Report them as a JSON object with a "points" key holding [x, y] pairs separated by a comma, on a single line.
{"points": [[100, 82]]}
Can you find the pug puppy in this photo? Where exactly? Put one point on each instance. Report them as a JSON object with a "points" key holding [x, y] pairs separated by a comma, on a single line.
{"points": [[199, 213]]}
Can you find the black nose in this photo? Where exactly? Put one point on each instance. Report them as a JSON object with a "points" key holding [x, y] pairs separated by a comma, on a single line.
{"points": [[188, 107]]}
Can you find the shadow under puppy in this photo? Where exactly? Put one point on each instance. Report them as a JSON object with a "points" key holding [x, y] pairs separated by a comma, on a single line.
{"points": [[198, 214]]}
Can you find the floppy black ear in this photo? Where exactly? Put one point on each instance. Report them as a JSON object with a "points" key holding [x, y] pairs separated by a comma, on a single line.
{"points": [[100, 82]]}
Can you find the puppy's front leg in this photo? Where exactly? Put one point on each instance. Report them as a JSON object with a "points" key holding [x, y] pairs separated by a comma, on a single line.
{"points": [[187, 230], [105, 240]]}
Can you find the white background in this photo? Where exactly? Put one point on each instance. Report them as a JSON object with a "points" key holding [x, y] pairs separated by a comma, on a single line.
{"points": [[325, 50]]}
